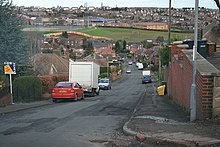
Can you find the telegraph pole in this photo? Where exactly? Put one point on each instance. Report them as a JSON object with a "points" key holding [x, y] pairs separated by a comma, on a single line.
{"points": [[169, 22], [193, 87]]}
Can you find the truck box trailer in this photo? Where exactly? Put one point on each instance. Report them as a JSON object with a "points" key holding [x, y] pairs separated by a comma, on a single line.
{"points": [[86, 74], [146, 72]]}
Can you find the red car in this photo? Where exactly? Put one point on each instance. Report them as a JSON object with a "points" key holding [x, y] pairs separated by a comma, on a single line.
{"points": [[67, 90]]}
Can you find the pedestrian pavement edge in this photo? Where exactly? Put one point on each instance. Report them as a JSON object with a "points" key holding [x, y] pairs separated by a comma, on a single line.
{"points": [[20, 107]]}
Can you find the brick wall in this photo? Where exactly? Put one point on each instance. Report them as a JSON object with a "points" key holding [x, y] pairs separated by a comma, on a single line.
{"points": [[180, 81], [216, 96], [204, 95], [179, 86]]}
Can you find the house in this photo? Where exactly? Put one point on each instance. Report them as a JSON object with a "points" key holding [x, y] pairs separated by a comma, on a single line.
{"points": [[44, 64], [133, 47], [103, 47]]}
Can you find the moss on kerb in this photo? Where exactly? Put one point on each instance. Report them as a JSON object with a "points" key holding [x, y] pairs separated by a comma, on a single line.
{"points": [[203, 66]]}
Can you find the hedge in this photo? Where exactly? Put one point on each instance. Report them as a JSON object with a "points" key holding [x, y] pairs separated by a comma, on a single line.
{"points": [[27, 88], [49, 81]]}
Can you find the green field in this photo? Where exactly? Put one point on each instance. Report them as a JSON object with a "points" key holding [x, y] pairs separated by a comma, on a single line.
{"points": [[131, 35]]}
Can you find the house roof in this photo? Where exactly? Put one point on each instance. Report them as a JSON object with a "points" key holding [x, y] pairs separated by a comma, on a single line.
{"points": [[45, 64], [99, 44]]}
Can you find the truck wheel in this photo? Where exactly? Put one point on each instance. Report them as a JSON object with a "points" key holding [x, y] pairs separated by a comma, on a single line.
{"points": [[97, 91], [54, 100], [93, 93]]}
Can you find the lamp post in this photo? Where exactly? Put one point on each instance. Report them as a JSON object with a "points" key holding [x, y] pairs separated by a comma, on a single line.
{"points": [[193, 87]]}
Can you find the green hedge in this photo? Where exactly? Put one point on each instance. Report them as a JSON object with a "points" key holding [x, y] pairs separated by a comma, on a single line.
{"points": [[27, 88], [103, 70]]}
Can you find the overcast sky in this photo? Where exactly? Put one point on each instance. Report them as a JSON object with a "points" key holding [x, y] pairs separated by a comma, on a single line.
{"points": [[113, 3]]}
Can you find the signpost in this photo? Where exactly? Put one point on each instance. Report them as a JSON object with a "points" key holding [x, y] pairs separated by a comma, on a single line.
{"points": [[9, 68]]}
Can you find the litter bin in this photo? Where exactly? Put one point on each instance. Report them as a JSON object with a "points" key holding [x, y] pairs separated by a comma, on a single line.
{"points": [[161, 90], [164, 83]]}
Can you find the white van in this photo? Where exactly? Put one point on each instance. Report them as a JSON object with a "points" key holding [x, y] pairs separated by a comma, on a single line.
{"points": [[140, 66]]}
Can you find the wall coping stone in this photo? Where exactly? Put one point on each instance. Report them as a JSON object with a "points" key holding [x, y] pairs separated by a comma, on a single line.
{"points": [[203, 66]]}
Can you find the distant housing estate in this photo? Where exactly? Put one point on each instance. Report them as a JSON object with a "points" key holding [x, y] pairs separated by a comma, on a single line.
{"points": [[138, 17]]}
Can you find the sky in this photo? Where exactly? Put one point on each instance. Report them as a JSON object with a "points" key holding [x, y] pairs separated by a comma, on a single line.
{"points": [[114, 3]]}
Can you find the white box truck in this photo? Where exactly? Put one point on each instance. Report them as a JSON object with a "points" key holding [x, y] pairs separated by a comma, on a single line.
{"points": [[86, 74], [146, 72]]}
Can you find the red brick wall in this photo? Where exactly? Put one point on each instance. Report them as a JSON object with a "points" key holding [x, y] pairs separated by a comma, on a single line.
{"points": [[179, 87], [205, 96], [180, 81]]}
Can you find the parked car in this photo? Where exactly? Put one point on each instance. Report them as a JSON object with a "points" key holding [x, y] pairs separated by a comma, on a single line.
{"points": [[105, 84], [146, 79], [128, 71], [130, 62], [67, 90]]}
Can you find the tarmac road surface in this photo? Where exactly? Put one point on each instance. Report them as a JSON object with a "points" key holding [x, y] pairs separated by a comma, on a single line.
{"points": [[93, 122]]}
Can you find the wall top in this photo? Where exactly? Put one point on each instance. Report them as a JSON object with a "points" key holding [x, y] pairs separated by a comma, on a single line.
{"points": [[203, 66]]}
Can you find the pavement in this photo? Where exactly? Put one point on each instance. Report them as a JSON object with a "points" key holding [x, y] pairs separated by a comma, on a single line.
{"points": [[23, 106], [157, 118], [160, 119]]}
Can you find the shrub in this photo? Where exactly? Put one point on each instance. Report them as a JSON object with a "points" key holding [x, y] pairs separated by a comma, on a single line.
{"points": [[49, 81], [103, 75], [27, 88]]}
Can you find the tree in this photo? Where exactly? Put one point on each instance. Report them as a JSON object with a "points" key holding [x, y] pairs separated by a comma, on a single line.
{"points": [[160, 39], [124, 45], [12, 46], [217, 3], [88, 47], [65, 34], [164, 55], [118, 46]]}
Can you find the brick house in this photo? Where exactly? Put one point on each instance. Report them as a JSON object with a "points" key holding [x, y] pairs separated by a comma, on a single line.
{"points": [[104, 48]]}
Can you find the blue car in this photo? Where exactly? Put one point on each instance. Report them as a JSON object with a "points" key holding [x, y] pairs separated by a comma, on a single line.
{"points": [[146, 79]]}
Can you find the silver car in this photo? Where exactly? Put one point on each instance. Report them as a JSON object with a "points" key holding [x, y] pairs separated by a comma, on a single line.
{"points": [[105, 84]]}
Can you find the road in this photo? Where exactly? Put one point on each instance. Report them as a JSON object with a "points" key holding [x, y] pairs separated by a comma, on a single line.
{"points": [[93, 122]]}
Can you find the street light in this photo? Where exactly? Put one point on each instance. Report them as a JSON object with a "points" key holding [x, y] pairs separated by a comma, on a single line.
{"points": [[193, 87]]}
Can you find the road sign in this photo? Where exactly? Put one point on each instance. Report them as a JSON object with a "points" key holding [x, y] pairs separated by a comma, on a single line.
{"points": [[9, 68]]}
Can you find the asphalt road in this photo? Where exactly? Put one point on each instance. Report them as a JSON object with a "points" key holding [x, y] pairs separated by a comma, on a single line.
{"points": [[93, 122]]}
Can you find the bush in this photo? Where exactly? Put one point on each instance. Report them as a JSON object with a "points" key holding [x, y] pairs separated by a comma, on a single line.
{"points": [[27, 88], [4, 81], [103, 70], [103, 75], [49, 81]]}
